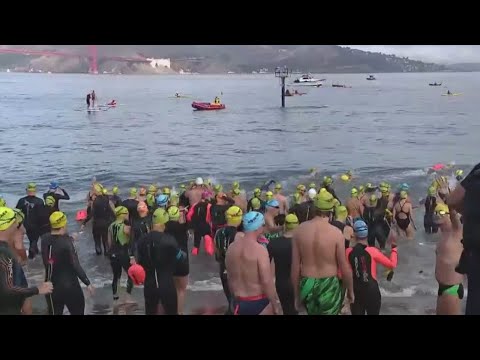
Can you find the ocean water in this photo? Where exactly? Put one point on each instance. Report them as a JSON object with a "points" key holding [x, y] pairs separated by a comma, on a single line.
{"points": [[390, 130]]}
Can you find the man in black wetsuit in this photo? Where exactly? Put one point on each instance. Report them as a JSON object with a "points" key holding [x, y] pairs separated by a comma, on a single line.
{"points": [[217, 211], [114, 198], [119, 249], [103, 215], [159, 254], [257, 193], [88, 100], [179, 231], [304, 211], [223, 238], [58, 193], [131, 203], [328, 184], [44, 213], [140, 227], [30, 206], [280, 251], [430, 204], [93, 96], [63, 269], [12, 296]]}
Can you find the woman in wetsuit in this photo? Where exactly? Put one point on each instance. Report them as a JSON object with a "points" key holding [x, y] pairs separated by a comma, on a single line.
{"points": [[430, 203], [160, 255], [402, 215], [363, 261], [63, 269]]}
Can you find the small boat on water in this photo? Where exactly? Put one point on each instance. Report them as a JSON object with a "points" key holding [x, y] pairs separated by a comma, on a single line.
{"points": [[340, 86], [203, 106], [435, 84], [306, 78], [371, 77]]}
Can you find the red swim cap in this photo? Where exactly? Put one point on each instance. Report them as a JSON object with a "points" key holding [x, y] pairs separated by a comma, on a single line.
{"points": [[137, 274], [81, 215]]}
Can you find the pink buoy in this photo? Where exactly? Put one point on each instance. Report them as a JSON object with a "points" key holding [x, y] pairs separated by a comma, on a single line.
{"points": [[81, 215]]}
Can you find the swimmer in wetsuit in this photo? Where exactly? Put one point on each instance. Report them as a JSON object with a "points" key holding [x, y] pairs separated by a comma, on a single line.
{"points": [[131, 203], [177, 227], [249, 275], [344, 223], [63, 269], [12, 294], [280, 251], [89, 96], [58, 193], [93, 96], [363, 262], [114, 198], [223, 238], [119, 249], [160, 255], [306, 210], [430, 203], [140, 227]]}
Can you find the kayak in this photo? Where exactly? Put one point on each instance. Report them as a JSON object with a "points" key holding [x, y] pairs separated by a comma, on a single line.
{"points": [[207, 106], [456, 94]]}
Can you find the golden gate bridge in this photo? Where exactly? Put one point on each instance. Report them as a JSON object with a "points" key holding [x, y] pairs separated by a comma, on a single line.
{"points": [[92, 56]]}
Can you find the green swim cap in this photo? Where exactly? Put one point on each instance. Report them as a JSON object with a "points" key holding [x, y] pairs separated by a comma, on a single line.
{"points": [[432, 190], [182, 186], [324, 201], [98, 188], [115, 190], [327, 180], [173, 213], [121, 210], [256, 203], [160, 216], [217, 188], [133, 192], [174, 200], [373, 199], [312, 186], [341, 213], [152, 189], [257, 191], [49, 201], [236, 185], [291, 221], [150, 199], [105, 191], [31, 187], [3, 203]]}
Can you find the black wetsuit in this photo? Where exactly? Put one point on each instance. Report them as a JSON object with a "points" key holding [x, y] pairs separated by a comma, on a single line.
{"points": [[30, 205], [369, 217], [11, 295], [57, 197], [262, 205], [158, 254], [103, 216], [116, 200], [63, 269], [428, 223], [140, 228], [363, 261], [280, 250], [330, 189], [88, 99], [44, 213], [223, 238], [217, 214], [179, 233], [304, 211], [131, 205], [119, 255], [199, 223], [183, 200], [381, 228]]}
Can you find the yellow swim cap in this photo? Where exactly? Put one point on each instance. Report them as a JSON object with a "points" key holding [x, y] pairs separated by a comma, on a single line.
{"points": [[403, 194], [341, 213], [105, 191], [150, 199], [345, 177], [432, 191], [301, 187], [361, 188], [442, 209], [174, 200], [256, 203], [312, 186], [257, 191], [236, 191], [7, 218], [291, 221], [217, 188], [152, 189], [278, 186], [459, 172], [327, 180], [121, 210], [166, 191], [19, 216], [3, 203], [354, 192], [31, 187], [236, 185], [115, 190], [160, 216], [384, 189], [49, 201], [98, 188], [336, 202], [234, 216], [58, 220], [268, 195], [133, 192], [373, 199], [324, 201], [173, 213]]}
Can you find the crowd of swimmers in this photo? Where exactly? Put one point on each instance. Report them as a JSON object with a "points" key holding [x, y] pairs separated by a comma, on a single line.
{"points": [[276, 254]]}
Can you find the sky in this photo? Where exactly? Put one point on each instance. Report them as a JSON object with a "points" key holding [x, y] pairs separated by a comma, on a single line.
{"points": [[443, 54]]}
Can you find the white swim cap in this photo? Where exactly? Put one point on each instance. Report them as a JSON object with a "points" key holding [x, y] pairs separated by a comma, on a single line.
{"points": [[199, 181], [312, 193]]}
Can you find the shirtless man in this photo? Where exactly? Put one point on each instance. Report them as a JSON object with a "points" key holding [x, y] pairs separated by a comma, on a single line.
{"points": [[249, 274], [403, 216], [194, 195], [354, 205], [300, 195], [318, 256], [272, 210], [449, 249], [239, 199], [282, 200]]}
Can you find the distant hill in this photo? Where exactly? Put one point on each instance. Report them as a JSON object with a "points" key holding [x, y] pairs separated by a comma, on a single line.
{"points": [[464, 67], [236, 58]]}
